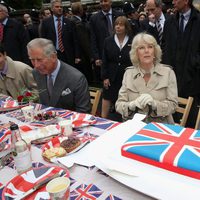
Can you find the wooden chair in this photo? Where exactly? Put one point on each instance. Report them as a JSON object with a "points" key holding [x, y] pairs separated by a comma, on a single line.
{"points": [[184, 106], [95, 94], [197, 125]]}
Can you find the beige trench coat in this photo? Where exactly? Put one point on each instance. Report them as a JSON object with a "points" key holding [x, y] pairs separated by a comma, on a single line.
{"points": [[18, 77], [162, 87]]}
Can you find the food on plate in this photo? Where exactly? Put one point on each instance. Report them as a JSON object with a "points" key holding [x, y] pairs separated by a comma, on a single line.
{"points": [[70, 144], [48, 115], [54, 152]]}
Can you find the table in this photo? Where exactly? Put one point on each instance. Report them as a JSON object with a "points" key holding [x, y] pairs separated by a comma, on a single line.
{"points": [[81, 177]]}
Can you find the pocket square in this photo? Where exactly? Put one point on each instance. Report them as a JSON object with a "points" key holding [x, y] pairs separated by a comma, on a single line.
{"points": [[66, 92]]}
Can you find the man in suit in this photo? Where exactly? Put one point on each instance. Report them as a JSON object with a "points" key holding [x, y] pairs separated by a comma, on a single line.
{"points": [[181, 47], [13, 36], [15, 76], [155, 22], [62, 85], [99, 26], [83, 38], [61, 31]]}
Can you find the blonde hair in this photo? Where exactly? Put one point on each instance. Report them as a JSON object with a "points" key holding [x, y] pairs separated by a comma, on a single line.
{"points": [[140, 39]]}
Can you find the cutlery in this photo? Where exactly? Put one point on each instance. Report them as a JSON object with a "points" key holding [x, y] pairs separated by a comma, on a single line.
{"points": [[37, 186]]}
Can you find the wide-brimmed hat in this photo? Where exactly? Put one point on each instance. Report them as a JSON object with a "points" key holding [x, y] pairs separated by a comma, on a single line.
{"points": [[128, 8]]}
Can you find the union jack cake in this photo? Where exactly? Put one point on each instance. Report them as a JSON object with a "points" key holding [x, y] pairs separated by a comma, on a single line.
{"points": [[170, 147]]}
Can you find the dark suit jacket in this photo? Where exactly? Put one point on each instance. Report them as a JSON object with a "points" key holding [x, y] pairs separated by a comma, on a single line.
{"points": [[15, 39], [70, 90], [68, 37], [145, 26], [115, 60], [99, 31]]}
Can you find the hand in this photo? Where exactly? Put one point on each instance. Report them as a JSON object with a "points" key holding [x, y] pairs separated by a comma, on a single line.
{"points": [[98, 62], [106, 83], [134, 104], [146, 99], [77, 60], [152, 18]]}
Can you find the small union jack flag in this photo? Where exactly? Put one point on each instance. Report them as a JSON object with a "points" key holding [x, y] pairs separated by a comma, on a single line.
{"points": [[167, 146], [105, 124], [111, 197], [85, 192]]}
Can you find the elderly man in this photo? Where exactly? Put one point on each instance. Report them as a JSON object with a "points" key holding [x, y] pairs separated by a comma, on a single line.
{"points": [[15, 76], [62, 86], [181, 47]]}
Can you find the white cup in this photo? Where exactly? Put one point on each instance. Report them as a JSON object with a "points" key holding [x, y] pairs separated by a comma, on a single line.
{"points": [[59, 188], [66, 127], [28, 112]]}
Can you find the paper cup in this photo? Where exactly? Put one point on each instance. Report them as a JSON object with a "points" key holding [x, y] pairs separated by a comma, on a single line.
{"points": [[59, 188], [66, 127], [28, 112]]}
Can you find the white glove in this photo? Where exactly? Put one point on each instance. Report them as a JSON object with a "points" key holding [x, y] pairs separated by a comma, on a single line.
{"points": [[146, 99], [134, 104]]}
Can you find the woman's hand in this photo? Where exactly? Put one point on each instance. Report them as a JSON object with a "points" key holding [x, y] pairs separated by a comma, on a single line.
{"points": [[147, 99], [106, 83]]}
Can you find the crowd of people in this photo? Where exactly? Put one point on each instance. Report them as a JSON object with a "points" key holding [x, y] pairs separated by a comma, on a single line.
{"points": [[141, 57]]}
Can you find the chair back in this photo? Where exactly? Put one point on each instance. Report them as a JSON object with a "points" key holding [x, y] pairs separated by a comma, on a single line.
{"points": [[184, 106], [197, 125], [95, 94]]}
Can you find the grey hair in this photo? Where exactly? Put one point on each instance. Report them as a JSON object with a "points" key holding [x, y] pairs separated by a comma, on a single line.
{"points": [[45, 44], [55, 1], [140, 39], [4, 8]]}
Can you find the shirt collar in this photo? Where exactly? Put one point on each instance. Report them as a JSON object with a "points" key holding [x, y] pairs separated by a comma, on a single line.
{"points": [[55, 18], [186, 14], [105, 13], [55, 72], [5, 69], [5, 21]]}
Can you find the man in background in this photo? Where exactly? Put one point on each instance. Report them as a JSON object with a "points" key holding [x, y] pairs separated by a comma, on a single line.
{"points": [[181, 50], [101, 26], [61, 31], [13, 36]]}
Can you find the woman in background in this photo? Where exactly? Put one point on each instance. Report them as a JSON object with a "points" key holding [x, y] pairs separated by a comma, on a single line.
{"points": [[148, 82], [115, 60]]}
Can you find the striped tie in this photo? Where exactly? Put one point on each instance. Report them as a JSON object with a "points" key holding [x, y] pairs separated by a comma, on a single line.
{"points": [[60, 43], [160, 32], [1, 31]]}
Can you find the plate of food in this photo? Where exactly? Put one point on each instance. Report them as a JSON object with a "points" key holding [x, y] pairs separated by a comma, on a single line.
{"points": [[81, 120], [62, 146], [45, 118], [34, 178]]}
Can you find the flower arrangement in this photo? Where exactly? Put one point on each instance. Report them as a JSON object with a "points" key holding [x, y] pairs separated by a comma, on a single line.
{"points": [[26, 96]]}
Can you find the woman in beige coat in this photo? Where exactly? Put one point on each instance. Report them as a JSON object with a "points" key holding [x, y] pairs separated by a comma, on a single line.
{"points": [[148, 82]]}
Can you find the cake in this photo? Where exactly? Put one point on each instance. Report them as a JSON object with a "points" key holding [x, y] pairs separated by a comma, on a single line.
{"points": [[170, 147], [70, 144]]}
